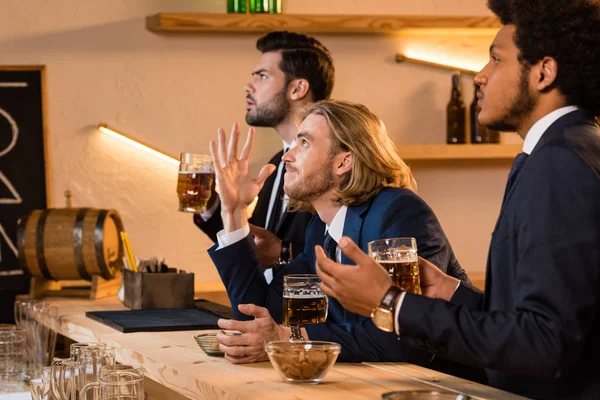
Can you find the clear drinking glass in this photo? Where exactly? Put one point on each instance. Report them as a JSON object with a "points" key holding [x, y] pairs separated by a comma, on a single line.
{"points": [[23, 315], [12, 363], [399, 257], [68, 380], [303, 303], [55, 373], [194, 182], [118, 368], [41, 336], [40, 387], [423, 395], [122, 382], [20, 310], [91, 358]]}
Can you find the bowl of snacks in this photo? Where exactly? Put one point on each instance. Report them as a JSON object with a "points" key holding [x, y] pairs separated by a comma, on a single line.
{"points": [[303, 362], [208, 342]]}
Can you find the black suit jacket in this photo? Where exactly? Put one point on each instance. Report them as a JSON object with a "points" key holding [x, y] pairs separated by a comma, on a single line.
{"points": [[392, 213], [292, 227], [535, 328]]}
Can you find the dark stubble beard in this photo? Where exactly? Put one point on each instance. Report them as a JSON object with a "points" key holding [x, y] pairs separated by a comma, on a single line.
{"points": [[271, 113], [521, 106]]}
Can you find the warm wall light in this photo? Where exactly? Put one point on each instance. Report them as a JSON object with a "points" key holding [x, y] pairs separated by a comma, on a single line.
{"points": [[400, 58], [137, 144]]}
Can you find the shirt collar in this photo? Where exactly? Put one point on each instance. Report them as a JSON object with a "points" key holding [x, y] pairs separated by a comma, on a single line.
{"points": [[537, 130], [287, 145], [336, 229]]}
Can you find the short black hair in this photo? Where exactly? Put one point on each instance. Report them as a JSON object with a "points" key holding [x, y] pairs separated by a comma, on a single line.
{"points": [[302, 57], [566, 30]]}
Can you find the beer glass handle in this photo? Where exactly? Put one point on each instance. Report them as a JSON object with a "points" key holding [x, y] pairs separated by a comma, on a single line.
{"points": [[54, 387], [68, 390], [55, 380], [94, 386]]}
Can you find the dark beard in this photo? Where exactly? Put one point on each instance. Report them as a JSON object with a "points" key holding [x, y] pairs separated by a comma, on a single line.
{"points": [[270, 114], [521, 106]]}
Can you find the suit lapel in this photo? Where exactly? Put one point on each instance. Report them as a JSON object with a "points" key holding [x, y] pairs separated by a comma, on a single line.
{"points": [[353, 226], [573, 118], [259, 216], [508, 195], [353, 229]]}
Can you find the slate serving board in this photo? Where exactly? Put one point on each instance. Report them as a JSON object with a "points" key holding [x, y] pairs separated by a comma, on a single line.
{"points": [[156, 320]]}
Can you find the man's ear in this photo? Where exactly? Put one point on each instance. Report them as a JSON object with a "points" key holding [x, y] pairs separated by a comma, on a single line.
{"points": [[298, 89], [547, 71], [343, 163]]}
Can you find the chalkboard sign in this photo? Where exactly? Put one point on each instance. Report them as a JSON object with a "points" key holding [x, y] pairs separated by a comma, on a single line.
{"points": [[23, 156]]}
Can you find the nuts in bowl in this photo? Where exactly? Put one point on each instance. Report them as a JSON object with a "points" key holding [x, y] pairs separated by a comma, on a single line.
{"points": [[302, 362]]}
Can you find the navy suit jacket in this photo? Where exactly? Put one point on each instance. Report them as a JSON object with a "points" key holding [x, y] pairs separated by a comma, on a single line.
{"points": [[392, 213], [292, 226], [534, 329]]}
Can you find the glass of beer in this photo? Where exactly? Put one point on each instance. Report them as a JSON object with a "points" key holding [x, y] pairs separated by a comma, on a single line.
{"points": [[194, 182], [303, 303], [399, 257]]}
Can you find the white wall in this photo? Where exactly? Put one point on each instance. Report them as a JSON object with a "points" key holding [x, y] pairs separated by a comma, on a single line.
{"points": [[173, 91]]}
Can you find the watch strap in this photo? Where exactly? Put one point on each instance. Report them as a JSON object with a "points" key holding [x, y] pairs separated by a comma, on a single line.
{"points": [[389, 298]]}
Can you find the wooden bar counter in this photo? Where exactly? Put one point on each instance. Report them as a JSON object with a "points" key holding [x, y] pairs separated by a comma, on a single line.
{"points": [[177, 368]]}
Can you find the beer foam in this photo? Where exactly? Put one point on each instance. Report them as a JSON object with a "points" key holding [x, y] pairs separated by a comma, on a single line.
{"points": [[197, 171], [303, 296], [403, 259]]}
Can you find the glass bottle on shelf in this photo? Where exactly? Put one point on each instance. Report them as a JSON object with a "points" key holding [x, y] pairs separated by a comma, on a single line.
{"points": [[258, 6], [236, 6], [275, 6], [455, 114], [480, 133]]}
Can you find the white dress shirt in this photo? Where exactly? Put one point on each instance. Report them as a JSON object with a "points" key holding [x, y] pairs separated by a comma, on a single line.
{"points": [[278, 178], [336, 230], [531, 140], [537, 130]]}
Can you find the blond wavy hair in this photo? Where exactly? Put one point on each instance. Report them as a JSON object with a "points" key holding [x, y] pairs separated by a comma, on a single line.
{"points": [[376, 163]]}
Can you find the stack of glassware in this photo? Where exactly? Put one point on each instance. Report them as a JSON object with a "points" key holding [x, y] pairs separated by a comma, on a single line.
{"points": [[38, 319], [91, 373], [12, 363]]}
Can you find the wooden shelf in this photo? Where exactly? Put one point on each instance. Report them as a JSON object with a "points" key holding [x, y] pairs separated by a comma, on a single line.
{"points": [[374, 24], [419, 152]]}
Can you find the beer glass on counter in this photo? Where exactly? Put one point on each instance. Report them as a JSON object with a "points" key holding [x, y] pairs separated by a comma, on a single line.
{"points": [[303, 303], [399, 257], [116, 382], [194, 182], [12, 363]]}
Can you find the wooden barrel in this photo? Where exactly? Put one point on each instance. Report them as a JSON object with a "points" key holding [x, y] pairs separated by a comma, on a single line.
{"points": [[70, 243]]}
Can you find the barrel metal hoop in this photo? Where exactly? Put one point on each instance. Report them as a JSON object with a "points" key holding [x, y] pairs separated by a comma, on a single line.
{"points": [[98, 244], [39, 239], [21, 241], [78, 244]]}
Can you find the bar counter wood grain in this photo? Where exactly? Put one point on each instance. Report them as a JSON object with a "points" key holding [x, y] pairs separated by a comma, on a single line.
{"points": [[174, 361]]}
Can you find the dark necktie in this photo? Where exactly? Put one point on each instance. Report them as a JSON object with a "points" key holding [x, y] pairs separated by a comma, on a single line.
{"points": [[514, 171], [330, 247], [278, 203]]}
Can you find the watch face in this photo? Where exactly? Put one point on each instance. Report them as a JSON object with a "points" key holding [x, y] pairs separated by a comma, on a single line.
{"points": [[383, 319]]}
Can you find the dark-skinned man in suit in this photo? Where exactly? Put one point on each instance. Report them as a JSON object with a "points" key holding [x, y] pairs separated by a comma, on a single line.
{"points": [[534, 330]]}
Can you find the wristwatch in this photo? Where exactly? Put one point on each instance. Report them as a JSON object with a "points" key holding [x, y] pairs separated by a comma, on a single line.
{"points": [[383, 314]]}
